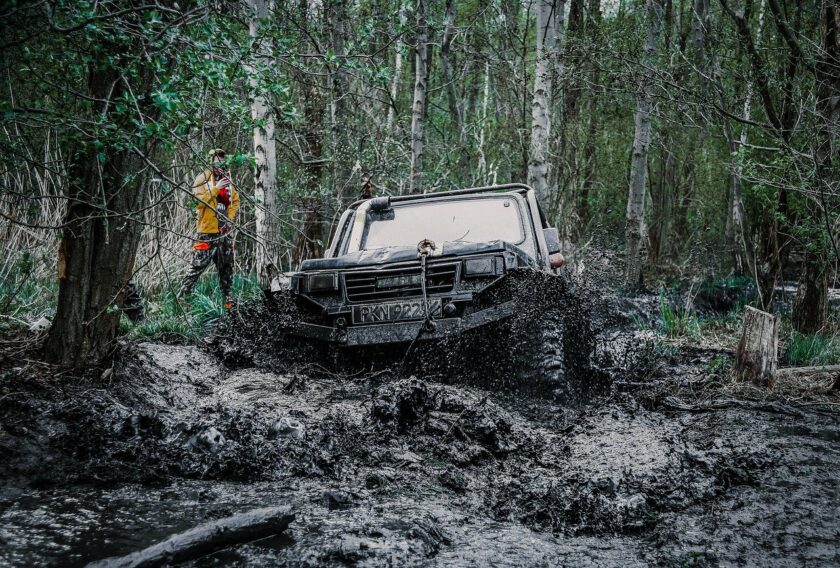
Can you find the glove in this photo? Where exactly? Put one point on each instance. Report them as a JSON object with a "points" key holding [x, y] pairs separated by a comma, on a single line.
{"points": [[224, 196]]}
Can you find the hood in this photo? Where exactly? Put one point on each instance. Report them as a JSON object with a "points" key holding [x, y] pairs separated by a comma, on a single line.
{"points": [[405, 254]]}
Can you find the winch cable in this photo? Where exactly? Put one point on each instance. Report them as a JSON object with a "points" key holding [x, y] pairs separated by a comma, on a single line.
{"points": [[424, 250]]}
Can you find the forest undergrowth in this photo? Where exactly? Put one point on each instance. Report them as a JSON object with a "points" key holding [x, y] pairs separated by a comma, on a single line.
{"points": [[704, 314]]}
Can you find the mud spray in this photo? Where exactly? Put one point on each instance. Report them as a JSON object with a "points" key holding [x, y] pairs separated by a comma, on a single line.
{"points": [[536, 443]]}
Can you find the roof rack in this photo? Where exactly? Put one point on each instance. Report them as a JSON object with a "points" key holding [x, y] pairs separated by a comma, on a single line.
{"points": [[481, 189]]}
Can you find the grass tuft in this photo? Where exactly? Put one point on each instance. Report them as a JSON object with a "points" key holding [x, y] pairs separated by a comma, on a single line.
{"points": [[813, 349], [677, 322]]}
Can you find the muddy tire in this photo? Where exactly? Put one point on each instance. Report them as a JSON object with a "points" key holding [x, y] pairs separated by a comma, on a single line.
{"points": [[554, 351]]}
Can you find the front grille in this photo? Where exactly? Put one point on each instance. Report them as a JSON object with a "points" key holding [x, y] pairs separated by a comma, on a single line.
{"points": [[373, 285]]}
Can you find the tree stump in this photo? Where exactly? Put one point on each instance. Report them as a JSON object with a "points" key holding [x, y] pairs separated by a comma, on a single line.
{"points": [[757, 357]]}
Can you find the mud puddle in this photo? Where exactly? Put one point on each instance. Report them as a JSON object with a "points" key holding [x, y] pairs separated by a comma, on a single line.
{"points": [[395, 464]]}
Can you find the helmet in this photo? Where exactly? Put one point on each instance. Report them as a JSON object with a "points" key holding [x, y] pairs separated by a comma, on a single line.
{"points": [[216, 152]]}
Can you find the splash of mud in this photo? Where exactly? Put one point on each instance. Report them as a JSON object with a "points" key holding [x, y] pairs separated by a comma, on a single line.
{"points": [[566, 340]]}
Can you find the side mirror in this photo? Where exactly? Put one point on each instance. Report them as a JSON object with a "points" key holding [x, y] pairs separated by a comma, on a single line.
{"points": [[552, 240], [382, 203]]}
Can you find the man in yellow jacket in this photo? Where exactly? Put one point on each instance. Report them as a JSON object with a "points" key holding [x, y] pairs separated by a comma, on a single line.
{"points": [[218, 202]]}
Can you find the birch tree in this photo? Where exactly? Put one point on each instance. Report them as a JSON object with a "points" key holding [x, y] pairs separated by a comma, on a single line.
{"points": [[736, 223], [398, 64], [265, 155], [418, 107], [540, 111], [635, 229]]}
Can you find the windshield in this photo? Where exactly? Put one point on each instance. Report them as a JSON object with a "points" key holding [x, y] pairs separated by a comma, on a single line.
{"points": [[468, 221]]}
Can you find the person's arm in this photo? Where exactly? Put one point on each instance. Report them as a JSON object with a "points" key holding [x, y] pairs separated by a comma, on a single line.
{"points": [[234, 203], [203, 192]]}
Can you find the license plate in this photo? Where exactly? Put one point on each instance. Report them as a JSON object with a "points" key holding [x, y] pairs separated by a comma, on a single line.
{"points": [[395, 311]]}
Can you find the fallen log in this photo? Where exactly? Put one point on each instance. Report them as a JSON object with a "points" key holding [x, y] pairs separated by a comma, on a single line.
{"points": [[796, 372], [674, 403], [816, 372], [757, 356], [205, 539]]}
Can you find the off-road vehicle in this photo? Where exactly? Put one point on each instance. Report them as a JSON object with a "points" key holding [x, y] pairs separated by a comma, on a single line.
{"points": [[417, 267]]}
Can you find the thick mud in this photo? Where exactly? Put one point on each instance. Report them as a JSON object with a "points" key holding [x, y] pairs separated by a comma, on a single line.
{"points": [[388, 460]]}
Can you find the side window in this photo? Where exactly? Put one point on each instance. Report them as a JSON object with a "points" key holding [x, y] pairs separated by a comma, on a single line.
{"points": [[529, 245], [341, 235]]}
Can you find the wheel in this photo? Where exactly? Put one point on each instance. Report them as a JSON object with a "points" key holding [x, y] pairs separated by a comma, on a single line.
{"points": [[554, 349]]}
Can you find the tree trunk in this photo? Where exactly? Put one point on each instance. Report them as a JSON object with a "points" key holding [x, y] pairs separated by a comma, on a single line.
{"points": [[309, 239], [97, 251], [737, 218], [810, 312], [395, 80], [756, 359], [635, 232], [662, 195], [309, 243], [588, 182], [418, 107], [736, 234], [341, 157], [265, 172], [573, 59], [451, 95], [768, 266], [700, 24], [737, 227], [481, 170], [540, 104], [589, 147]]}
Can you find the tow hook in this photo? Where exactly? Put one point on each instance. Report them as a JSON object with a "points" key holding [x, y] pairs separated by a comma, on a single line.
{"points": [[425, 248]]}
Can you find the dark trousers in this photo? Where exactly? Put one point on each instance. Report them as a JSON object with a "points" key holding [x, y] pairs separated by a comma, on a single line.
{"points": [[218, 249], [133, 303]]}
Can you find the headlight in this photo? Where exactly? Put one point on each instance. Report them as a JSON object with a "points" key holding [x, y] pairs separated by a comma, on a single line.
{"points": [[317, 282], [483, 266], [324, 282], [281, 282]]}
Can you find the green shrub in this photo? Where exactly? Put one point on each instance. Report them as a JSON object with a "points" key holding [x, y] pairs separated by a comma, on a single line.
{"points": [[719, 366], [168, 319], [25, 298], [736, 290]]}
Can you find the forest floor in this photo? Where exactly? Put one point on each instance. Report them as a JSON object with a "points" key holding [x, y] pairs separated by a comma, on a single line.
{"points": [[670, 463]]}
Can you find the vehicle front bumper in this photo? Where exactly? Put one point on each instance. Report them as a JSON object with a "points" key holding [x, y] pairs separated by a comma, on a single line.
{"points": [[403, 332]]}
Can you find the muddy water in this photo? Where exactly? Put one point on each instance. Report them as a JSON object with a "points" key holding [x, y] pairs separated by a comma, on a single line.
{"points": [[387, 469]]}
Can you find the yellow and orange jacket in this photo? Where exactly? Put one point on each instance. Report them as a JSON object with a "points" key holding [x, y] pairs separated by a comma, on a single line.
{"points": [[204, 188]]}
